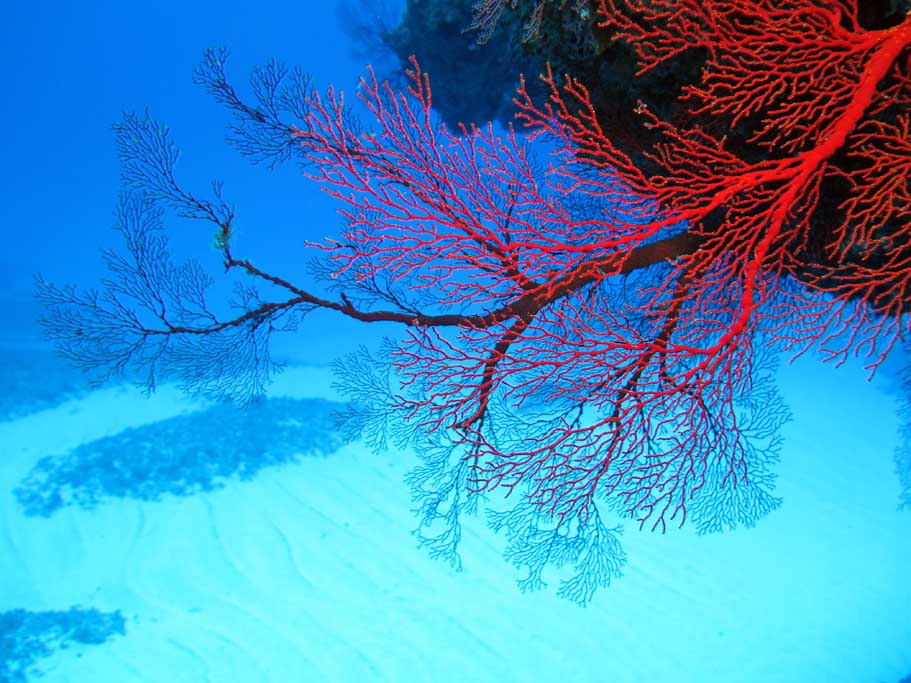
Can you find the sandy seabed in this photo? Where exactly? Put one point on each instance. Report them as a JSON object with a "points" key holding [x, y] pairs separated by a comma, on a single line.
{"points": [[306, 569]]}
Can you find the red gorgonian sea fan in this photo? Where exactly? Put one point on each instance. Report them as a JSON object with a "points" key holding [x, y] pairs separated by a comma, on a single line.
{"points": [[589, 334]]}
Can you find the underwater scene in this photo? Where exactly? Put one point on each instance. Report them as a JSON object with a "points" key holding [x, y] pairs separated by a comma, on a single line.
{"points": [[456, 340]]}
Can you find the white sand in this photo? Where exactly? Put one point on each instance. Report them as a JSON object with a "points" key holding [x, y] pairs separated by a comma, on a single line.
{"points": [[309, 572]]}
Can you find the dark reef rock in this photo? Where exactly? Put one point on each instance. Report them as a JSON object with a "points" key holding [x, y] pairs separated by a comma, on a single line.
{"points": [[471, 83]]}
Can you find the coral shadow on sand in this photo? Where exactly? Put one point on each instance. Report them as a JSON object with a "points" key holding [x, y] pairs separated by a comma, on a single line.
{"points": [[182, 455], [26, 637]]}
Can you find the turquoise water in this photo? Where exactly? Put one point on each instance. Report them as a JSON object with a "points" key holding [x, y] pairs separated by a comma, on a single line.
{"points": [[167, 539]]}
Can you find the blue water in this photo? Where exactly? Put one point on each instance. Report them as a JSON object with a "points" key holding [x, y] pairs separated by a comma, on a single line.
{"points": [[168, 539]]}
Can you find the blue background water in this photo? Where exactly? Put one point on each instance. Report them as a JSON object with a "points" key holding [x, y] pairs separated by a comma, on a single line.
{"points": [[73, 68], [170, 540]]}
